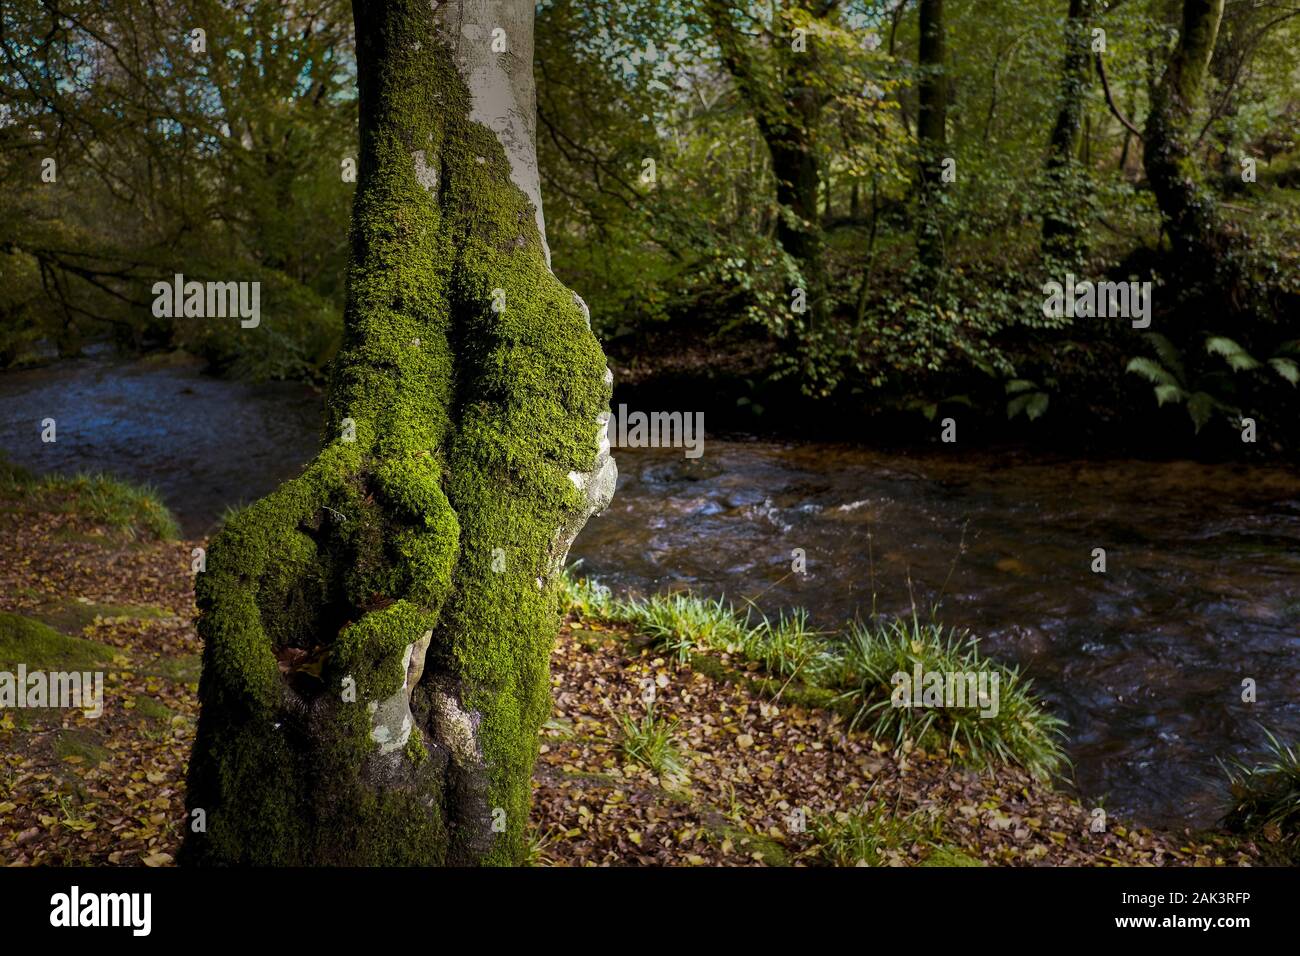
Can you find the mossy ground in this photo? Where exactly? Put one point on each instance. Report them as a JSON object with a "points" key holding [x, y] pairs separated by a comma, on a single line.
{"points": [[76, 594]]}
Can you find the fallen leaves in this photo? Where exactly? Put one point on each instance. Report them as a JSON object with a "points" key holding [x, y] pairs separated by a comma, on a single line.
{"points": [[758, 767]]}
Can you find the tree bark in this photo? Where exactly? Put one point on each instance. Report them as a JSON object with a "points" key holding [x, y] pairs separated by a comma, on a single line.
{"points": [[931, 133], [788, 116], [377, 631], [1203, 246], [1062, 235]]}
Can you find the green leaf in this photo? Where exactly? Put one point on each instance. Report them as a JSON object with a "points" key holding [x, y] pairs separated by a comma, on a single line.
{"points": [[1033, 404], [1019, 385], [1238, 358], [1287, 368], [1037, 405], [1169, 393], [1200, 406], [1168, 353], [1152, 371]]}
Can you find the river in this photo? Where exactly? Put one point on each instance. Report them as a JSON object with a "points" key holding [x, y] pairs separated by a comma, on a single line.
{"points": [[1145, 662]]}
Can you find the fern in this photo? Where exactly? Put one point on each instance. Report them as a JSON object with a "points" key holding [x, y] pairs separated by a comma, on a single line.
{"points": [[1287, 368], [1027, 397], [1152, 371], [1238, 359]]}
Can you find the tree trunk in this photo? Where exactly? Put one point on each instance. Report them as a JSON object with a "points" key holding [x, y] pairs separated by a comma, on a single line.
{"points": [[1062, 232], [377, 631], [931, 134], [789, 121], [1202, 245]]}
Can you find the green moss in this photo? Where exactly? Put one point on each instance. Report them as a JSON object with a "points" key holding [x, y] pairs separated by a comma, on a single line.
{"points": [[80, 743], [153, 709], [72, 615], [29, 642], [183, 670], [416, 752], [466, 423]]}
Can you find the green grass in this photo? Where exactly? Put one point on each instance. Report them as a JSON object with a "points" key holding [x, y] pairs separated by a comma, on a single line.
{"points": [[1020, 732], [137, 510], [585, 597], [874, 835], [1266, 797], [857, 667], [652, 742], [681, 623]]}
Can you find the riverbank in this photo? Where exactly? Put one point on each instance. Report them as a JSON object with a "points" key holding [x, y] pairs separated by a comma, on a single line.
{"points": [[723, 768]]}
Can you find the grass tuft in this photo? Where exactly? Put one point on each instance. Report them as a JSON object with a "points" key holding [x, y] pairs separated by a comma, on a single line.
{"points": [[652, 742], [137, 510], [858, 667], [874, 835], [1266, 797], [1019, 732]]}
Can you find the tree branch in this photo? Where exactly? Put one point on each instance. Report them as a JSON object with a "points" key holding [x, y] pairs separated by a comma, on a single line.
{"points": [[1110, 100]]}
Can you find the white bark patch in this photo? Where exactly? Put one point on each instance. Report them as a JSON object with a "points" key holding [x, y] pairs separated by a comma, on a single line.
{"points": [[502, 96], [455, 728], [391, 720], [425, 174], [597, 488], [586, 312]]}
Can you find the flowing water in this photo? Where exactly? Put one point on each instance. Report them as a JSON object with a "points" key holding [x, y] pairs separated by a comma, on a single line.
{"points": [[1145, 662]]}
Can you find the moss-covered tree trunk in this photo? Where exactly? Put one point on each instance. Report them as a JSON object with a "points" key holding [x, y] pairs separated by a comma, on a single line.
{"points": [[1062, 228], [931, 134], [1204, 247], [377, 631]]}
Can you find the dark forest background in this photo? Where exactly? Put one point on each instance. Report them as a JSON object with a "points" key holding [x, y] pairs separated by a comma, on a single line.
{"points": [[751, 198]]}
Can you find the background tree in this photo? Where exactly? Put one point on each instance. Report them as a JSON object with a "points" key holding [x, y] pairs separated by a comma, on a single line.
{"points": [[778, 71], [225, 164], [931, 133], [193, 136], [1199, 236], [377, 631], [1062, 228]]}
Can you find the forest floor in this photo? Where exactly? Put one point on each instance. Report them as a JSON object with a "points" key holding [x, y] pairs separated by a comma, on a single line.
{"points": [[757, 780]]}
